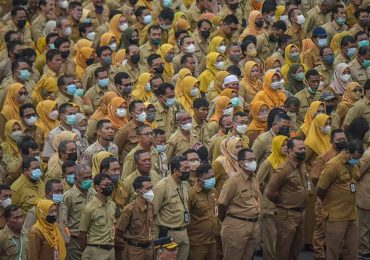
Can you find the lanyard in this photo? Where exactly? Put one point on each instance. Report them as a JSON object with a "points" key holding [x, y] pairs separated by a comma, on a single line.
{"points": [[21, 247], [181, 198]]}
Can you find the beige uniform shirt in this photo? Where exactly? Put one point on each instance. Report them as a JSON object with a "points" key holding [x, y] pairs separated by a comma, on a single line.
{"points": [[305, 98], [312, 57], [165, 118], [265, 48], [38, 26], [332, 28], [154, 177], [88, 79], [97, 19], [133, 72], [193, 15], [264, 175], [178, 143], [25, 34], [363, 185], [170, 203], [201, 47], [97, 147], [12, 247], [145, 50], [315, 18], [75, 202], [340, 58], [358, 72], [95, 93], [361, 108], [202, 131], [327, 73], [126, 139], [98, 221]]}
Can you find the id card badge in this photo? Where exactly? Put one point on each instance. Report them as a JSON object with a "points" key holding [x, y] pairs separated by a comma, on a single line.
{"points": [[216, 210], [56, 254], [308, 185], [352, 187], [186, 216]]}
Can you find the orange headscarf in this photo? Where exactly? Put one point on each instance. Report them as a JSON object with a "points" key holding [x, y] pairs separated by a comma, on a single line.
{"points": [[222, 103], [257, 124], [11, 106], [43, 110], [114, 27], [311, 112], [316, 139], [81, 57], [307, 44], [102, 110], [82, 43], [120, 56], [182, 74], [257, 5], [250, 85], [252, 29], [117, 122], [348, 96]]}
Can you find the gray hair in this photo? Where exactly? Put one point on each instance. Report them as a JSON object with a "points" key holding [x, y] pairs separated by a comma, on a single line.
{"points": [[81, 168], [180, 113]]}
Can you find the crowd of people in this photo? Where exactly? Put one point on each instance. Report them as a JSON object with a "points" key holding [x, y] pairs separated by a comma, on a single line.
{"points": [[193, 129]]}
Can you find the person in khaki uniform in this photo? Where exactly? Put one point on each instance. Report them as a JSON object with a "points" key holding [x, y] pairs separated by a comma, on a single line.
{"points": [[184, 138], [338, 24], [312, 57], [98, 223], [339, 143], [360, 67], [13, 241], [166, 108], [194, 162], [337, 190], [75, 201], [203, 210], [361, 108], [132, 67], [295, 29], [143, 164], [267, 42], [29, 187], [326, 69], [347, 46], [5, 198], [195, 11], [171, 200], [199, 120], [47, 8], [239, 210], [152, 45], [97, 12], [202, 39], [360, 20], [288, 190], [133, 236], [318, 16], [74, 15]]}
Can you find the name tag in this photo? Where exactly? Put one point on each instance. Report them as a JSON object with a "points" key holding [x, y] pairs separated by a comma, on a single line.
{"points": [[352, 187], [186, 217]]}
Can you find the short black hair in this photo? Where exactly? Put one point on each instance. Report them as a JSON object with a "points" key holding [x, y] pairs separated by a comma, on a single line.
{"points": [[139, 11], [334, 132], [359, 11], [101, 123], [60, 40], [62, 147], [363, 50], [200, 22], [166, 14], [67, 164], [284, 39], [158, 131], [279, 25], [100, 49], [50, 35], [311, 72], [24, 107], [152, 57], [347, 40], [179, 32], [234, 70], [230, 19], [62, 79], [185, 57], [203, 169], [26, 163], [138, 182], [100, 177], [8, 34], [161, 91], [141, 128], [239, 114], [9, 209], [188, 151], [246, 42], [49, 184], [120, 76], [63, 108], [74, 4], [100, 70], [105, 164], [25, 146], [138, 153], [176, 162], [290, 142], [132, 105], [51, 54], [82, 27], [242, 153], [355, 146], [322, 49], [367, 85], [198, 103], [15, 10], [292, 100]]}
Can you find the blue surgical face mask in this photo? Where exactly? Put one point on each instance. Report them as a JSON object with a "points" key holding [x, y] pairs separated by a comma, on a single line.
{"points": [[71, 89], [351, 52], [86, 184], [103, 83], [70, 179], [322, 42], [58, 198], [354, 162], [71, 119], [170, 102], [363, 43], [161, 148], [366, 63], [235, 101], [209, 183], [52, 46], [36, 174], [24, 75], [79, 92]]}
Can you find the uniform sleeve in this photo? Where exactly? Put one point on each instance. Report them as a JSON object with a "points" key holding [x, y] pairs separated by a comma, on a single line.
{"points": [[121, 227], [158, 197], [317, 166], [227, 192], [128, 167], [120, 140], [262, 175], [352, 113], [34, 245], [29, 221], [85, 220], [327, 177], [278, 179], [257, 148], [170, 151]]}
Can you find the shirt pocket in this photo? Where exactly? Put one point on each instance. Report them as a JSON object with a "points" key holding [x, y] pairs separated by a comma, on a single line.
{"points": [[101, 220], [11, 250], [246, 194]]}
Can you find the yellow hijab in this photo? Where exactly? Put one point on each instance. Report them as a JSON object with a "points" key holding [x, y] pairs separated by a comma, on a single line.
{"points": [[83, 43], [105, 41], [186, 100], [257, 124], [11, 106], [276, 158], [9, 145], [273, 98], [252, 29], [168, 66], [140, 92], [114, 27], [222, 103], [311, 112], [335, 42], [349, 97], [44, 122], [269, 63], [289, 61], [63, 136], [219, 80], [120, 56], [50, 232], [214, 44], [81, 57], [209, 74], [229, 156], [102, 110], [117, 122], [96, 161], [182, 74], [315, 139], [47, 84], [250, 85]]}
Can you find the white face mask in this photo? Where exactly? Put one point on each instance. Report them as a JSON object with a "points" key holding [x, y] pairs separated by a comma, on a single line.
{"points": [[194, 92], [5, 203], [345, 77], [16, 135], [221, 49], [63, 4], [250, 166], [228, 111], [284, 18], [113, 46], [68, 31], [300, 19], [327, 129], [31, 121], [190, 49], [276, 85], [220, 65], [241, 129], [53, 115], [149, 196], [90, 36], [123, 27], [121, 112], [141, 117], [187, 126]]}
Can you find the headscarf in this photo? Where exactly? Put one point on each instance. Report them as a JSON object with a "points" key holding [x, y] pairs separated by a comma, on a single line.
{"points": [[11, 107], [229, 157], [43, 110], [50, 232], [41, 42], [182, 74], [102, 110], [49, 27], [222, 103], [80, 117], [269, 63], [216, 42], [126, 36], [338, 85], [63, 136], [9, 145], [257, 124], [117, 122], [250, 85], [114, 27], [139, 92], [307, 44], [335, 42], [252, 29], [272, 98], [315, 139], [168, 66], [209, 74], [178, 15], [81, 57], [219, 80], [186, 100], [48, 84], [97, 159], [82, 43], [120, 56], [308, 119], [256, 5], [348, 97], [276, 158], [105, 41], [292, 83], [288, 61], [280, 9]]}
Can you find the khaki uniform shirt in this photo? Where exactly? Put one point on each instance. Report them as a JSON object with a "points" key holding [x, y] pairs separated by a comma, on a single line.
{"points": [[75, 202], [315, 18], [264, 175], [363, 185], [133, 72], [202, 131], [332, 28], [97, 220], [26, 193], [135, 223], [178, 143], [25, 34], [170, 203], [120, 195], [320, 162], [305, 98], [75, 36], [297, 36], [312, 57], [361, 108], [97, 19], [62, 98], [97, 147], [307, 5], [340, 58], [240, 194], [239, 13], [5, 68], [290, 182], [201, 50], [262, 146], [358, 72], [155, 178], [145, 50], [327, 73], [204, 224], [68, 66], [350, 15], [126, 139], [193, 15], [265, 48], [38, 26], [95, 93], [339, 203], [355, 29], [11, 245], [88, 79]]}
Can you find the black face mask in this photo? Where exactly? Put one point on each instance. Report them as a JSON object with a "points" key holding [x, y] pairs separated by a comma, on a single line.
{"points": [[65, 54], [233, 6], [159, 70], [90, 61], [127, 90], [205, 34], [300, 156], [21, 23], [228, 129], [72, 156], [133, 2], [131, 41], [329, 109], [259, 24], [135, 59], [99, 9], [273, 38], [51, 219], [340, 146], [284, 130], [184, 176], [107, 191]]}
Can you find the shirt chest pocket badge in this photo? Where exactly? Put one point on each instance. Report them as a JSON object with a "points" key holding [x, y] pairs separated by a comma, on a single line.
{"points": [[246, 194]]}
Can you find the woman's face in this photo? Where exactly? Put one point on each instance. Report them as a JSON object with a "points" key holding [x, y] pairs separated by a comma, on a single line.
{"points": [[238, 147], [135, 36], [122, 20], [346, 71], [82, 127], [22, 95], [112, 40], [357, 92], [53, 211], [234, 94], [222, 43], [320, 110], [16, 127], [275, 78], [300, 69], [263, 113], [284, 148], [293, 50], [219, 58], [255, 72], [276, 65]]}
